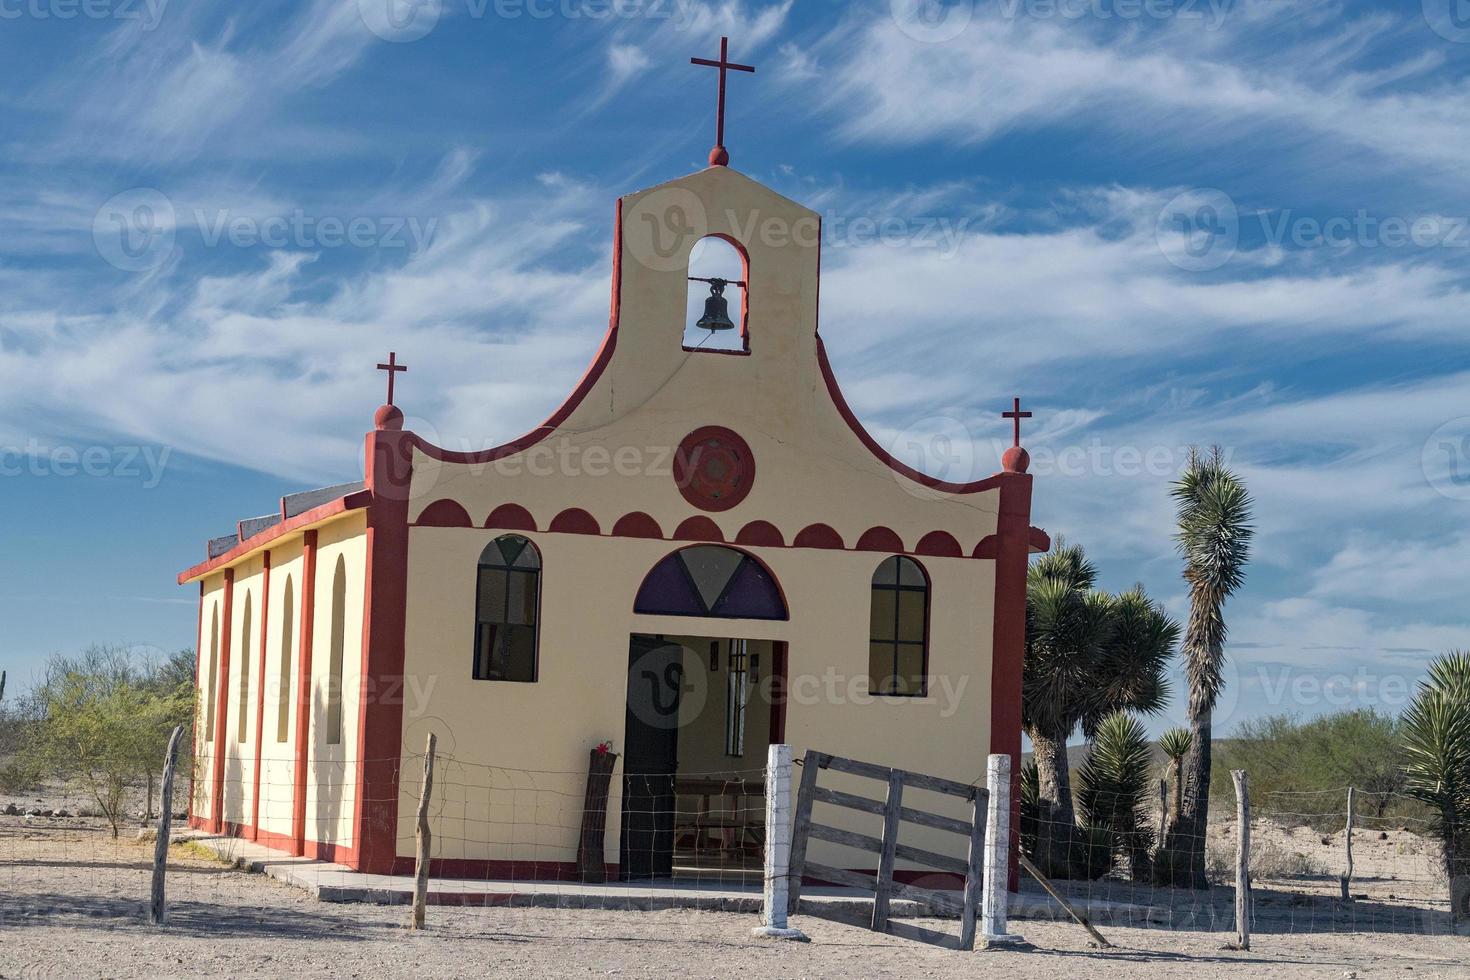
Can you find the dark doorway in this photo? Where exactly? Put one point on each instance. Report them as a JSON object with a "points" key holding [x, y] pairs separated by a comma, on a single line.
{"points": [[650, 758]]}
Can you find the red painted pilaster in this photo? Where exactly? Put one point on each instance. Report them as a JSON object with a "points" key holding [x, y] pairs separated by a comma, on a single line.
{"points": [[1008, 646], [388, 466], [265, 622], [303, 691], [222, 706]]}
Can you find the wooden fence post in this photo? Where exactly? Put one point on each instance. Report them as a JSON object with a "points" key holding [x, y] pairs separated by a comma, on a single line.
{"points": [[1347, 879], [811, 763], [1242, 860], [158, 907], [887, 855], [421, 854]]}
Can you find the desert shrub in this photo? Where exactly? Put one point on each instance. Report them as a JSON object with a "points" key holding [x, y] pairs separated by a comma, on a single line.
{"points": [[101, 722], [1301, 767]]}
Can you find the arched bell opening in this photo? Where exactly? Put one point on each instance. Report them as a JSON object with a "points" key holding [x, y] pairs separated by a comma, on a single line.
{"points": [[716, 314]]}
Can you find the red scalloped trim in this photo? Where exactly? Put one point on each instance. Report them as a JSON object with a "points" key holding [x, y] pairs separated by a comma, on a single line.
{"points": [[880, 538], [444, 513], [762, 533], [574, 521], [637, 525], [511, 517], [699, 529], [939, 544], [818, 536]]}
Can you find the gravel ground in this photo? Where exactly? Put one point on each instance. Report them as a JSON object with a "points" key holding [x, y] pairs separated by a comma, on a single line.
{"points": [[73, 903]]}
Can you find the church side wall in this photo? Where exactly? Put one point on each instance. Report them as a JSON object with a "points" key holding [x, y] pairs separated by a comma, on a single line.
{"points": [[331, 784], [211, 629], [247, 605], [278, 758]]}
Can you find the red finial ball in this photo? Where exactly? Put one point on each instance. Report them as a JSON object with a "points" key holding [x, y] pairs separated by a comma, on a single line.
{"points": [[388, 417], [1015, 460], [719, 157]]}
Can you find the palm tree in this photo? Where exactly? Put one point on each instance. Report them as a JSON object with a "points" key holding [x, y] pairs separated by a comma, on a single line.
{"points": [[1437, 739], [1213, 510], [1088, 654]]}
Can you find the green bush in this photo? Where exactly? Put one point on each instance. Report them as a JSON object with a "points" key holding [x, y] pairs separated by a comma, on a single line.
{"points": [[101, 723], [1299, 769]]}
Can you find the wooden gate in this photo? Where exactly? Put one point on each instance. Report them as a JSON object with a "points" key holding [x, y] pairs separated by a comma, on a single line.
{"points": [[888, 849]]}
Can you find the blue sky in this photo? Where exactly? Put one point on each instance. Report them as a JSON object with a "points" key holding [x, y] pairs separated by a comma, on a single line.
{"points": [[1160, 223]]}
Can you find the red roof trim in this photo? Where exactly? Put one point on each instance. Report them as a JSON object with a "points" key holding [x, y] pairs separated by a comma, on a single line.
{"points": [[330, 509], [583, 388], [989, 483]]}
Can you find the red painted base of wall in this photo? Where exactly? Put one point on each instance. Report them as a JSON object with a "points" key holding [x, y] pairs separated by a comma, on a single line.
{"points": [[315, 850]]}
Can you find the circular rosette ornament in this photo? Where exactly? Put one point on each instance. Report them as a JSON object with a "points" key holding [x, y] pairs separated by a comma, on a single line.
{"points": [[714, 468]]}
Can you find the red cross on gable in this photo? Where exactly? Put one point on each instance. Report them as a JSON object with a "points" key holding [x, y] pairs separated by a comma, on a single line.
{"points": [[392, 367], [719, 156], [1016, 415]]}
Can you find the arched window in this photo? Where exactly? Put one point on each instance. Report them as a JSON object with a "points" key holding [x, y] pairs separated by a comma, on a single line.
{"points": [[334, 661], [898, 638], [242, 727], [715, 258], [507, 598], [283, 679], [209, 691]]}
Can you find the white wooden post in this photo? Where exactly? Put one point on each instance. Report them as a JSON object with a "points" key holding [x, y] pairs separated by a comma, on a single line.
{"points": [[778, 846], [997, 854]]}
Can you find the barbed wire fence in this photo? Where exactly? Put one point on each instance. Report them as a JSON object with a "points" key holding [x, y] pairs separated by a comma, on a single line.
{"points": [[506, 836], [1312, 868]]}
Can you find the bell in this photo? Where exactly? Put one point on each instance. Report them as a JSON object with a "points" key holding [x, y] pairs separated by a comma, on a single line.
{"points": [[716, 308]]}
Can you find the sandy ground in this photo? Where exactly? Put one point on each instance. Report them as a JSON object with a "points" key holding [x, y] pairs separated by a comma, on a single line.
{"points": [[73, 906]]}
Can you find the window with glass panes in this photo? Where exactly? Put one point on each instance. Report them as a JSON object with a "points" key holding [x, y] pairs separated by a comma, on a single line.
{"points": [[506, 598], [898, 638]]}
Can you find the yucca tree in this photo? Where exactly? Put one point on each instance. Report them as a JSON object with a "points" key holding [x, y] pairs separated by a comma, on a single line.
{"points": [[1213, 511], [1436, 730], [1088, 654], [1068, 624], [1175, 744], [1113, 788]]}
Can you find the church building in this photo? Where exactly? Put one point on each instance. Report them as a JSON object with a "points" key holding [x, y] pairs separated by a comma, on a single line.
{"points": [[700, 553]]}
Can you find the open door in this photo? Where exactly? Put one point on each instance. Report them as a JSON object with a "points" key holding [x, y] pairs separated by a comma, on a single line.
{"points": [[650, 758]]}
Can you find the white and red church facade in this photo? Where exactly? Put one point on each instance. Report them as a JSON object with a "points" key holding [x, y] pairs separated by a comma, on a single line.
{"points": [[684, 514]]}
